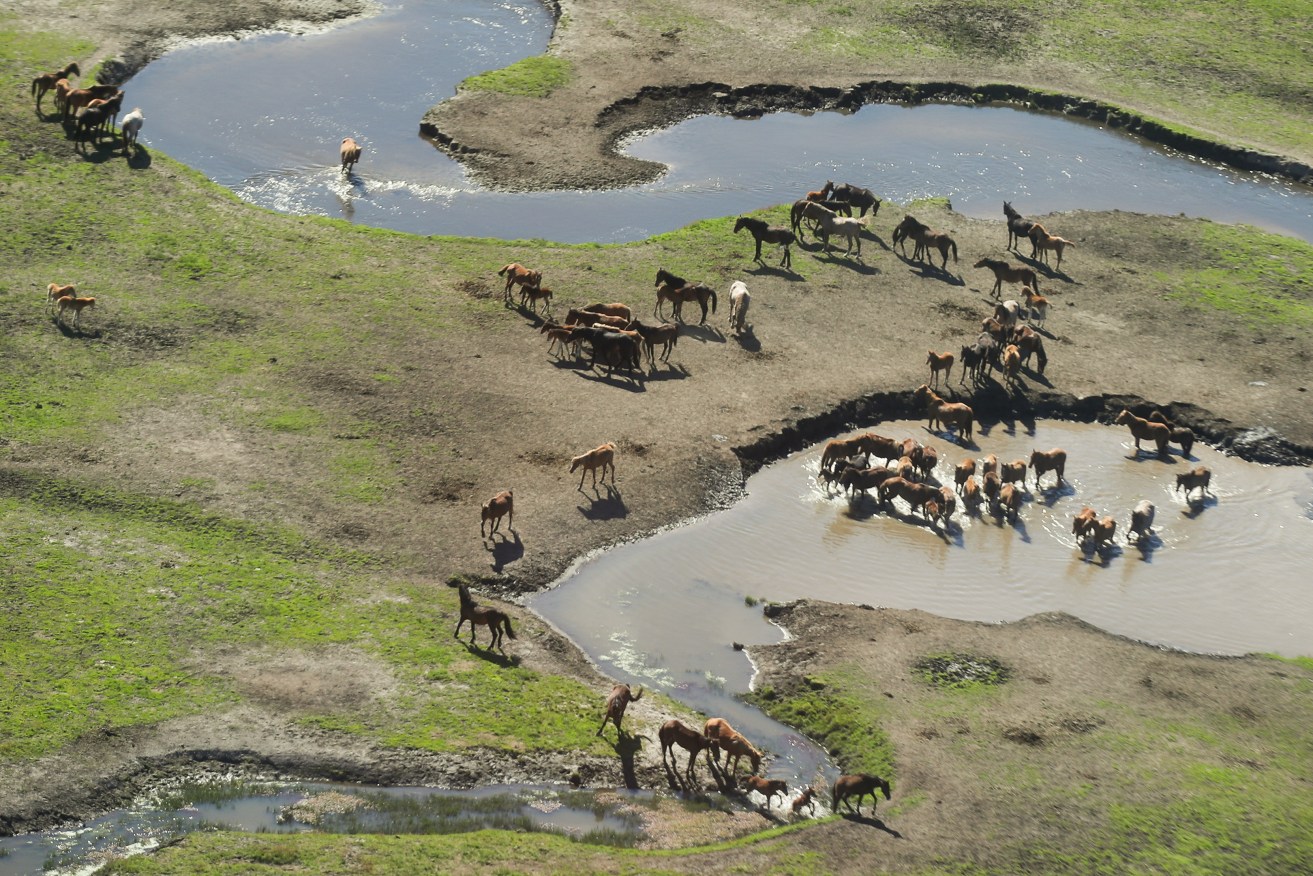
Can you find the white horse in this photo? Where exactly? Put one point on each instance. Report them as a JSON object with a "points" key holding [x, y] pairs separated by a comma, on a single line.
{"points": [[845, 226], [131, 127], [739, 299]]}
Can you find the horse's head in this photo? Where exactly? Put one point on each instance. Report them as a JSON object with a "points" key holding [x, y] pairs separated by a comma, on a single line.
{"points": [[738, 225]]}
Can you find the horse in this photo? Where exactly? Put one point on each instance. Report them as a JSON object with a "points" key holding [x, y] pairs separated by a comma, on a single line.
{"points": [[949, 415], [1011, 364], [864, 479], [666, 334], [620, 698], [862, 199], [734, 744], [1028, 342], [1181, 435], [517, 274], [46, 81], [939, 362], [560, 334], [575, 316], [991, 486], [821, 194], [1013, 472], [494, 509], [531, 295], [1037, 306], [1199, 478], [699, 292], [925, 239], [971, 495], [1083, 521], [675, 732], [496, 620], [947, 502], [807, 209], [62, 90], [602, 456], [54, 292], [131, 128], [112, 106], [767, 788], [764, 233], [963, 472], [925, 459], [1142, 429], [1042, 242], [804, 801], [616, 309], [614, 347], [1018, 226], [914, 494], [75, 304], [844, 448], [858, 785], [1141, 521], [1009, 499], [1004, 272], [739, 301], [349, 154], [1042, 461], [974, 357], [78, 98], [89, 120], [850, 228], [1098, 533]]}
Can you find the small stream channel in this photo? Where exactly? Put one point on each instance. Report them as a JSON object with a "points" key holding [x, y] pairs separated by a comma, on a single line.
{"points": [[277, 146]]}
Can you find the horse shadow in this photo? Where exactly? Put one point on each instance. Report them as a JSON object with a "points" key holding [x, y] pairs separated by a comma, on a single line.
{"points": [[1146, 545], [626, 747], [139, 159], [1049, 496], [747, 339], [504, 551], [1106, 554], [927, 271], [860, 267], [871, 821], [862, 506], [1194, 507], [701, 332], [1040, 378], [776, 271], [609, 507], [505, 661], [75, 333], [633, 384], [671, 372]]}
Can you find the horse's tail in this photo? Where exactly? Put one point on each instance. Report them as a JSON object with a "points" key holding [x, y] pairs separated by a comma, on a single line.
{"points": [[503, 271], [506, 622], [34, 84], [713, 300], [953, 243], [1043, 357], [638, 696]]}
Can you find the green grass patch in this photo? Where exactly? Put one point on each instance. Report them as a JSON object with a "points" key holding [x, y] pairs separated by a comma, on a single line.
{"points": [[538, 76], [848, 725]]}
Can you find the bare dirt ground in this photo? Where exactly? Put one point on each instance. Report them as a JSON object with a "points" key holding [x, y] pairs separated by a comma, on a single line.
{"points": [[1108, 342]]}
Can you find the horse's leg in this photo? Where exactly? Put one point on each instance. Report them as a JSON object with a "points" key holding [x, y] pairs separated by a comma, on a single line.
{"points": [[787, 261]]}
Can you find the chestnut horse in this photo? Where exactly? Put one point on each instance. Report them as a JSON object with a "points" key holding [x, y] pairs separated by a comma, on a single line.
{"points": [[496, 508], [925, 238], [54, 292], [939, 362], [619, 700], [1042, 461], [602, 456], [1042, 242], [349, 154], [949, 415], [517, 274], [77, 305], [1005, 272], [733, 743], [46, 81], [1198, 479], [496, 620], [858, 785], [767, 788], [1142, 429]]}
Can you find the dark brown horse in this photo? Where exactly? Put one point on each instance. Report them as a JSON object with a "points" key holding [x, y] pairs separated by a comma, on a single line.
{"points": [[856, 196], [858, 785], [1018, 226], [695, 292], [1004, 272], [675, 732], [496, 620], [764, 233], [925, 238]]}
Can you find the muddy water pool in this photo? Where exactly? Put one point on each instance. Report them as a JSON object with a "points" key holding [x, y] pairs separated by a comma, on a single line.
{"points": [[277, 146]]}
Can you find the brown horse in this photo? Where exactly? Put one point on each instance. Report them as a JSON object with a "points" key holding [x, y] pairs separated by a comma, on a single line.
{"points": [[1199, 478], [496, 620], [734, 744], [602, 456], [1013, 472], [496, 508], [1037, 306], [666, 334], [77, 305], [914, 494], [963, 472], [675, 732], [698, 292], [1181, 435], [940, 362], [531, 295], [1098, 533], [1009, 499], [767, 788], [804, 801], [46, 81], [1041, 242], [1042, 461], [1006, 273], [54, 292], [949, 415], [1142, 429], [1011, 364], [517, 274], [619, 700], [858, 785], [349, 153], [925, 238]]}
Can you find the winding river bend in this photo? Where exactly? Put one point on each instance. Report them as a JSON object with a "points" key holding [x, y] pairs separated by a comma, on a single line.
{"points": [[277, 147]]}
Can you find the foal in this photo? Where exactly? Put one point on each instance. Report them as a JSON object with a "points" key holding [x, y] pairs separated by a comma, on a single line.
{"points": [[940, 362]]}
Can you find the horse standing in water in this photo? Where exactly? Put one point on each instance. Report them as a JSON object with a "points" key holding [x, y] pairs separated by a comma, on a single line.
{"points": [[763, 233], [349, 153], [494, 619]]}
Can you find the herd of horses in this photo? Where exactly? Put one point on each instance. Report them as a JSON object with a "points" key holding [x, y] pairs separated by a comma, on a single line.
{"points": [[908, 473], [90, 112]]}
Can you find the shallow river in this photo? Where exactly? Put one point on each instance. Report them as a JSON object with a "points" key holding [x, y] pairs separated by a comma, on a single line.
{"points": [[277, 146]]}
